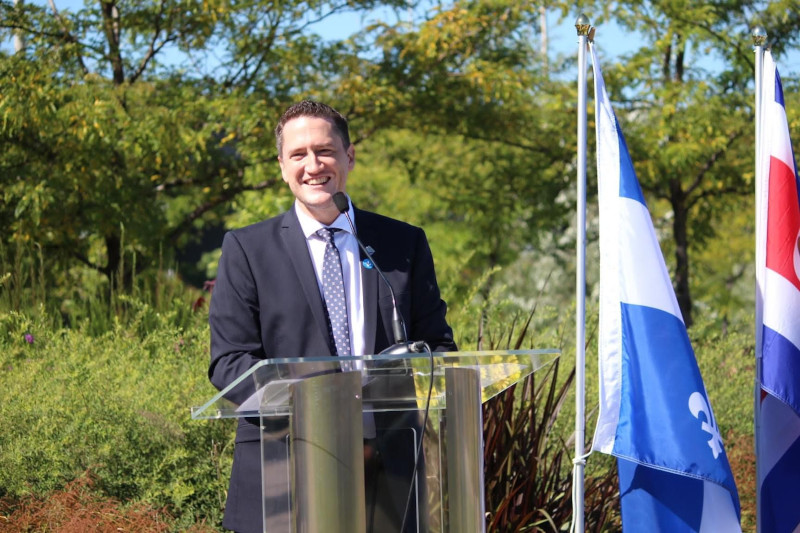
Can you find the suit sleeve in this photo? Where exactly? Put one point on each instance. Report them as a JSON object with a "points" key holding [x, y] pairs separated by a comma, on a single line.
{"points": [[234, 320], [428, 310]]}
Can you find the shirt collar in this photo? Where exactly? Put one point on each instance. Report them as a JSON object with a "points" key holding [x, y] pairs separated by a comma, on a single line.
{"points": [[310, 225]]}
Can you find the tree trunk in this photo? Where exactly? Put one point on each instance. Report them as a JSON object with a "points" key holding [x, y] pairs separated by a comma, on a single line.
{"points": [[114, 253], [543, 36], [19, 36], [112, 30], [680, 236]]}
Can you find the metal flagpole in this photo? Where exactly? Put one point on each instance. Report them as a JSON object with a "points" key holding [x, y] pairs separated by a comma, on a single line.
{"points": [[583, 27], [759, 39]]}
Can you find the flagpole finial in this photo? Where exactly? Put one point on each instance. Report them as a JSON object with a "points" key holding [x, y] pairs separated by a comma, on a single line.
{"points": [[582, 24], [759, 35]]}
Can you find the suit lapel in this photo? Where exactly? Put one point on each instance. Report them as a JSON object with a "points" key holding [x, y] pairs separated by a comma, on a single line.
{"points": [[297, 249], [369, 281]]}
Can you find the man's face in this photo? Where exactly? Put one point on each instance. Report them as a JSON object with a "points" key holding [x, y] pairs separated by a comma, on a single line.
{"points": [[315, 164]]}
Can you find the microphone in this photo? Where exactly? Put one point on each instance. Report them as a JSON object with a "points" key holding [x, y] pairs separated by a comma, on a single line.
{"points": [[401, 344]]}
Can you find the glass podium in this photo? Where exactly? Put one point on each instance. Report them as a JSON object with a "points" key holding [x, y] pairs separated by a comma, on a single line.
{"points": [[379, 443]]}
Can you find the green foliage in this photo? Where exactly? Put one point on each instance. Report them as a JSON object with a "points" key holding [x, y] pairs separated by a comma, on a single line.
{"points": [[117, 138], [727, 363], [154, 119], [689, 129], [85, 163], [107, 132], [475, 124], [115, 405]]}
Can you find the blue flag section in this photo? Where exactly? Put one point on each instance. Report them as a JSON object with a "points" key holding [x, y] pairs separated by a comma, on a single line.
{"points": [[778, 301], [655, 416]]}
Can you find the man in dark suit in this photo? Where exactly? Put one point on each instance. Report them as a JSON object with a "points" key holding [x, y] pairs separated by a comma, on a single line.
{"points": [[268, 297]]}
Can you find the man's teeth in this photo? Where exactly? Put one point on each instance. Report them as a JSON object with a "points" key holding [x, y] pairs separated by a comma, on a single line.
{"points": [[317, 181]]}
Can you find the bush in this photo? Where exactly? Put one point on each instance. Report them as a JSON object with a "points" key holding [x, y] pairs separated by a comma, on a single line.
{"points": [[79, 508], [111, 397], [116, 405], [528, 466]]}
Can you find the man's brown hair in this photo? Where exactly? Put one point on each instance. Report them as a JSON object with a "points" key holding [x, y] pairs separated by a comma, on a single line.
{"points": [[310, 108]]}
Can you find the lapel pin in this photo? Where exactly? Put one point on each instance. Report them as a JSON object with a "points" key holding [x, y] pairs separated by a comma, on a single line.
{"points": [[367, 264], [370, 250]]}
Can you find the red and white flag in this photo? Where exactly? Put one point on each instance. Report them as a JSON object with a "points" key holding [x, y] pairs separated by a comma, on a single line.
{"points": [[777, 314]]}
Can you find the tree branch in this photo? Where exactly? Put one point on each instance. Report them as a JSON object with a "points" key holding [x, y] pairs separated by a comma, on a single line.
{"points": [[720, 37], [152, 49], [214, 202], [85, 260], [715, 192], [67, 35], [265, 48], [709, 164]]}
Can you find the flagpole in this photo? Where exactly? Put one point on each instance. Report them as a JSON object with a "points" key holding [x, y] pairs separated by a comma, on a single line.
{"points": [[759, 39], [582, 26]]}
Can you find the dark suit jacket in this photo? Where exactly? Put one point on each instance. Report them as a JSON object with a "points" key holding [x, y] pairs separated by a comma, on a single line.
{"points": [[266, 303]]}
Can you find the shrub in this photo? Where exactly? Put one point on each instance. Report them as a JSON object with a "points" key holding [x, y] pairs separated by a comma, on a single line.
{"points": [[106, 387], [527, 432], [117, 405], [78, 508], [528, 467]]}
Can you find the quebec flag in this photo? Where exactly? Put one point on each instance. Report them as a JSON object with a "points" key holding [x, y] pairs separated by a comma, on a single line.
{"points": [[777, 315], [654, 411]]}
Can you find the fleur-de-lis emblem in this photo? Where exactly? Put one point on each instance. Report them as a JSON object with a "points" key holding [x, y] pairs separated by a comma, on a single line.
{"points": [[698, 405]]}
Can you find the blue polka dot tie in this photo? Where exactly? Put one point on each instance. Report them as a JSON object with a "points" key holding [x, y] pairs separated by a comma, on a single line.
{"points": [[333, 292]]}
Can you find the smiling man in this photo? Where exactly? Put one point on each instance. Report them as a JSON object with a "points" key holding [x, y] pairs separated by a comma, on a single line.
{"points": [[273, 297], [315, 158]]}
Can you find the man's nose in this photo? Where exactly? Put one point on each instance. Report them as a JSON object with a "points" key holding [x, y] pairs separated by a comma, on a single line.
{"points": [[313, 162]]}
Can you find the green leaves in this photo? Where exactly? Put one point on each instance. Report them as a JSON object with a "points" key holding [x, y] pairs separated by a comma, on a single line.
{"points": [[73, 402], [157, 117], [690, 130]]}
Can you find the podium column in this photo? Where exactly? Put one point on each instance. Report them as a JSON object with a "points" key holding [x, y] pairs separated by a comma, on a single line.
{"points": [[464, 434], [327, 454]]}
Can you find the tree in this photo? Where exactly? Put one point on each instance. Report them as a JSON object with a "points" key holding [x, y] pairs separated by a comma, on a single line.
{"points": [[488, 128], [690, 130], [152, 119], [113, 138]]}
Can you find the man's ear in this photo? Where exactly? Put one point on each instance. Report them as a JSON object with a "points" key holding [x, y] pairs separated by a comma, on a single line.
{"points": [[283, 175], [351, 157]]}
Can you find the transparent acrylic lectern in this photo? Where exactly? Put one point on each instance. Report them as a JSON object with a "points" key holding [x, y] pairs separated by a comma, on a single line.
{"points": [[339, 437]]}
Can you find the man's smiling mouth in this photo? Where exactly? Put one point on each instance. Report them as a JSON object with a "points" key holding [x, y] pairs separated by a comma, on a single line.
{"points": [[318, 181]]}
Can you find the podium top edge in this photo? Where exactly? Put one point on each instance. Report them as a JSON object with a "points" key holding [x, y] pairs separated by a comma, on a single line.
{"points": [[421, 355]]}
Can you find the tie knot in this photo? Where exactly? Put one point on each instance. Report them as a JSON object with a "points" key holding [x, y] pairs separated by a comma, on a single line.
{"points": [[327, 234]]}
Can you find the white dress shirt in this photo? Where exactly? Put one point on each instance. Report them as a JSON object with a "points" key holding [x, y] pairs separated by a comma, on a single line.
{"points": [[351, 268], [351, 272]]}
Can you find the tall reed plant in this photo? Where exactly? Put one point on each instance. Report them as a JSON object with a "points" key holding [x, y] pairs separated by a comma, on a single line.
{"points": [[529, 428]]}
